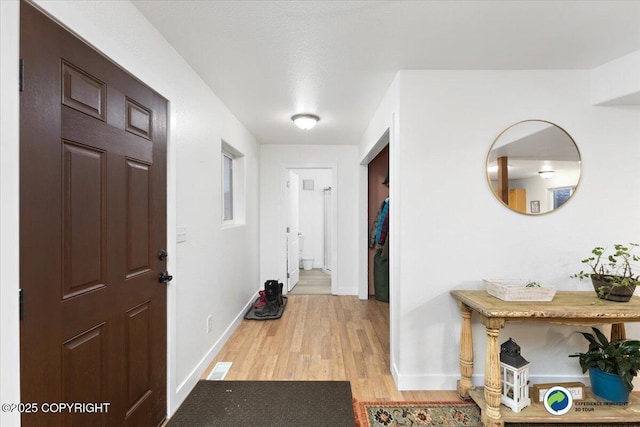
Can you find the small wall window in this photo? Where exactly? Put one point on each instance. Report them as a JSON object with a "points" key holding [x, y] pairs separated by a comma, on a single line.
{"points": [[227, 187], [561, 195], [233, 192]]}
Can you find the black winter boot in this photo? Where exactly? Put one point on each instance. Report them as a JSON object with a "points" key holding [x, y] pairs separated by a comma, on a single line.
{"points": [[271, 289], [280, 300], [270, 309]]}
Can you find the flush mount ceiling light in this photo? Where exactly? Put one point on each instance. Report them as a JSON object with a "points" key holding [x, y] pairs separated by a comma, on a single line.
{"points": [[546, 174], [305, 121]]}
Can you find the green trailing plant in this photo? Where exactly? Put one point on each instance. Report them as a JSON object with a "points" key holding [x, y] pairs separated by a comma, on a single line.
{"points": [[621, 358], [615, 267]]}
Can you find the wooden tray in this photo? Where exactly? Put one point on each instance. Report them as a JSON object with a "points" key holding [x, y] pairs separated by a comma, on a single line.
{"points": [[517, 290]]}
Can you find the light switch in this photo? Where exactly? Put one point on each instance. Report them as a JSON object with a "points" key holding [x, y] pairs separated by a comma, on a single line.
{"points": [[181, 234], [307, 184]]}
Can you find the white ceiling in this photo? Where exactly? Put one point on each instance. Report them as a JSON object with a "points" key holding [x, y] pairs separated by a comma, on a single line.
{"points": [[268, 60]]}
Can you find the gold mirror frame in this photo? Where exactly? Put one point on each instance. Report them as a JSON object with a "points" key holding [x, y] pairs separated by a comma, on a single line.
{"points": [[533, 167]]}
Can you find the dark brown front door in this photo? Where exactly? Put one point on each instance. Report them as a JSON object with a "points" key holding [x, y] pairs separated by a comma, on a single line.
{"points": [[93, 220]]}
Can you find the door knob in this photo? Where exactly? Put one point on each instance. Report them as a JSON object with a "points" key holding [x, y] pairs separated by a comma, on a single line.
{"points": [[165, 277], [162, 255]]}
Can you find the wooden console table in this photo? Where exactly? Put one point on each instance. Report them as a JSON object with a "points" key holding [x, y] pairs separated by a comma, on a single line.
{"points": [[567, 308]]}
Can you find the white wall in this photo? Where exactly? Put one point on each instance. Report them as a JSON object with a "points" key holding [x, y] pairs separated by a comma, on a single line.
{"points": [[617, 82], [215, 270], [453, 232], [9, 211], [382, 130], [274, 160], [371, 142], [312, 213]]}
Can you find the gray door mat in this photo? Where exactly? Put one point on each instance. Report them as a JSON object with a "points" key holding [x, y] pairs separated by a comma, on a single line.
{"points": [[251, 313], [267, 404]]}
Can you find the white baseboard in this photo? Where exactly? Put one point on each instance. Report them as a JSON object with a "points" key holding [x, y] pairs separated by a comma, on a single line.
{"points": [[395, 375], [192, 379], [426, 382], [347, 291]]}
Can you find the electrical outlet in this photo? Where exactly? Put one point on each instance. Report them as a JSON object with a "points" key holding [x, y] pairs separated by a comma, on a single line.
{"points": [[209, 323]]}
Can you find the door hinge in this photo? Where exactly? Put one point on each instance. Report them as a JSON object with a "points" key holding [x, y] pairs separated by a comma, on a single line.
{"points": [[288, 276], [21, 303], [21, 84], [288, 230]]}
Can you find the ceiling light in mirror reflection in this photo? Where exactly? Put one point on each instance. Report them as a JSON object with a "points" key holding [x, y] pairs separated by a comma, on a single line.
{"points": [[532, 147]]}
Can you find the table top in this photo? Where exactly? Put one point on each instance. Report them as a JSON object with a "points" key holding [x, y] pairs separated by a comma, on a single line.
{"points": [[565, 305]]}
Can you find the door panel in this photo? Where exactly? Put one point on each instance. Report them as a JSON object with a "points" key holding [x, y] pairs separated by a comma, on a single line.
{"points": [[93, 219], [138, 232], [84, 372], [83, 92], [138, 119], [84, 227], [293, 219], [138, 336], [293, 259]]}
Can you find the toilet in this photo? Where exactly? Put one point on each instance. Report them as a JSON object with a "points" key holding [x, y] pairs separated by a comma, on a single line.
{"points": [[307, 262]]}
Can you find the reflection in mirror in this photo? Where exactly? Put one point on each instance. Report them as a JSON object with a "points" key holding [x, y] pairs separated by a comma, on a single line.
{"points": [[533, 167]]}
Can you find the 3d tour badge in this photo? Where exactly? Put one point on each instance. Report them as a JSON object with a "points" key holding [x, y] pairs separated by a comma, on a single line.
{"points": [[558, 400]]}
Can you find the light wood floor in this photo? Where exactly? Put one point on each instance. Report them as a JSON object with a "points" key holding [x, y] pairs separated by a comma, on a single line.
{"points": [[312, 282], [322, 337]]}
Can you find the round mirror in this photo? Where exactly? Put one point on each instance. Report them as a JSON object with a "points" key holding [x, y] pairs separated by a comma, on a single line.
{"points": [[533, 167]]}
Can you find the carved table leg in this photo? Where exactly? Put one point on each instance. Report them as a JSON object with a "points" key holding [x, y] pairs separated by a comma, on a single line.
{"points": [[617, 332], [492, 378], [466, 353]]}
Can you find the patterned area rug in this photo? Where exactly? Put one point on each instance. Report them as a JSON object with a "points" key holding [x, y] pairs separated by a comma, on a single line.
{"points": [[414, 414], [396, 414]]}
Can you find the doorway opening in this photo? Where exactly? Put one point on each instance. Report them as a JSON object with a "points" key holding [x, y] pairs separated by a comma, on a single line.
{"points": [[381, 165], [310, 224], [378, 221]]}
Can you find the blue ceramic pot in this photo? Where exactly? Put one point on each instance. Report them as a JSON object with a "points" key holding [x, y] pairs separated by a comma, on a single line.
{"points": [[608, 386]]}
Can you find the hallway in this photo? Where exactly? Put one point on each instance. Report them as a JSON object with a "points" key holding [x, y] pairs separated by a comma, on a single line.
{"points": [[312, 282], [322, 337]]}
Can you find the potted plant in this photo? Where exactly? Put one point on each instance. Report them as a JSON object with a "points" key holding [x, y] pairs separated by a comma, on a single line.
{"points": [[612, 366], [611, 272]]}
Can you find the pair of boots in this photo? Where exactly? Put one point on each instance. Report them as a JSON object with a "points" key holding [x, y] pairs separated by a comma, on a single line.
{"points": [[272, 299]]}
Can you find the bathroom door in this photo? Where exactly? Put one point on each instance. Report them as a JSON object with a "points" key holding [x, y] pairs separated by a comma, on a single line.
{"points": [[293, 253]]}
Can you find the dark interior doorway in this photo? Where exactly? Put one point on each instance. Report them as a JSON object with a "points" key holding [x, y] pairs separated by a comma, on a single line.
{"points": [[377, 193]]}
